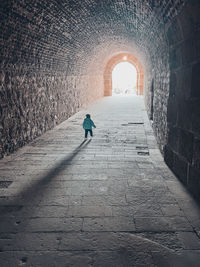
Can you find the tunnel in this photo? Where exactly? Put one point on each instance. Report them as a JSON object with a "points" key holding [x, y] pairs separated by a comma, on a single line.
{"points": [[119, 58], [57, 59]]}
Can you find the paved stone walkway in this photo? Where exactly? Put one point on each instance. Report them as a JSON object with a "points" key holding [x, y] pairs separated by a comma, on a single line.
{"points": [[107, 202]]}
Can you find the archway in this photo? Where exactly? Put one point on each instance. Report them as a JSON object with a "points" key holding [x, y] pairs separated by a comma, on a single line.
{"points": [[124, 79], [123, 57]]}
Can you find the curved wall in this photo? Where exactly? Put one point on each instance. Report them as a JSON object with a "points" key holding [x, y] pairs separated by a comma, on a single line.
{"points": [[54, 54], [113, 62]]}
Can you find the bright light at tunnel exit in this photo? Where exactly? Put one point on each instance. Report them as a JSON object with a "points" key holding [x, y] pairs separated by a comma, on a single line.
{"points": [[124, 79]]}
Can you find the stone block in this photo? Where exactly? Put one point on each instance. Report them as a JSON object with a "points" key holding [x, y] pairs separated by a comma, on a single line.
{"points": [[175, 57], [162, 224], [189, 240], [186, 140], [172, 110], [54, 224], [188, 51], [194, 181], [189, 18], [173, 84], [195, 92], [183, 83], [195, 115], [89, 211], [180, 168], [184, 119], [122, 257], [174, 33], [196, 153], [169, 156], [173, 138], [171, 210], [116, 224], [39, 242]]}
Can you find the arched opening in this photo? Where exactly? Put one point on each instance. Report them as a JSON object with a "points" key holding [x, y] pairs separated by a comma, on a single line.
{"points": [[124, 79], [128, 58]]}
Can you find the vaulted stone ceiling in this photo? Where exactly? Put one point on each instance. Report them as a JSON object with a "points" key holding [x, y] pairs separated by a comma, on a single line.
{"points": [[54, 54], [61, 32]]}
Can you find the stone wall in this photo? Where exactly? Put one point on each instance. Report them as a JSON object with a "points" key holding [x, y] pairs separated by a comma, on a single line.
{"points": [[41, 78], [34, 103], [157, 91], [182, 152]]}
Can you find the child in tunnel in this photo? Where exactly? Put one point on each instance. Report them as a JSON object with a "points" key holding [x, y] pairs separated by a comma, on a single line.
{"points": [[87, 125]]}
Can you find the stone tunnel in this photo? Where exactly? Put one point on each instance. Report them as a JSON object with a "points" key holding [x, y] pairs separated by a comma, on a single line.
{"points": [[57, 59]]}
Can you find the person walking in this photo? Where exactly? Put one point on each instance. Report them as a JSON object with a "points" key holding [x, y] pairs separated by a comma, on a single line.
{"points": [[87, 125]]}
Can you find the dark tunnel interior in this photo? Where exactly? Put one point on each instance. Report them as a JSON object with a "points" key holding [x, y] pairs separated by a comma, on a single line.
{"points": [[53, 60], [109, 200]]}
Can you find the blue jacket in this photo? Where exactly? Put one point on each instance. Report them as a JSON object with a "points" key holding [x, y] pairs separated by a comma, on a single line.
{"points": [[88, 124]]}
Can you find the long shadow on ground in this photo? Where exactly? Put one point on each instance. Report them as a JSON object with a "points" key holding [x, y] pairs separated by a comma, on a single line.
{"points": [[36, 188]]}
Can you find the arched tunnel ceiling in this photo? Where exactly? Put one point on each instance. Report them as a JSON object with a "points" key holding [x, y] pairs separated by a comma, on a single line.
{"points": [[54, 54], [90, 28]]}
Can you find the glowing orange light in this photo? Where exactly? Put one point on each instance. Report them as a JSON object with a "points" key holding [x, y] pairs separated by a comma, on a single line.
{"points": [[125, 58]]}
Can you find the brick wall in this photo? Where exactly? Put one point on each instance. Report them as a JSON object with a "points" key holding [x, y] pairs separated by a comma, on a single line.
{"points": [[54, 54], [157, 91], [43, 80], [37, 102]]}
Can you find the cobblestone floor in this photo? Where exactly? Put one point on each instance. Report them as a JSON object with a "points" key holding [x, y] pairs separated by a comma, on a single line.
{"points": [[107, 202]]}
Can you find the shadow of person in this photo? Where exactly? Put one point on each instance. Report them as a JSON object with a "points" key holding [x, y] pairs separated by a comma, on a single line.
{"points": [[36, 188], [16, 218]]}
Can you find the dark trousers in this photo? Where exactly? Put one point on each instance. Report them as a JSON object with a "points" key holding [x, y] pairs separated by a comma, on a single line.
{"points": [[86, 133]]}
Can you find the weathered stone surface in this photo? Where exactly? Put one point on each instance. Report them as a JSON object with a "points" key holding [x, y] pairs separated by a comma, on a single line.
{"points": [[195, 80], [186, 145], [54, 56], [180, 168], [83, 210]]}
